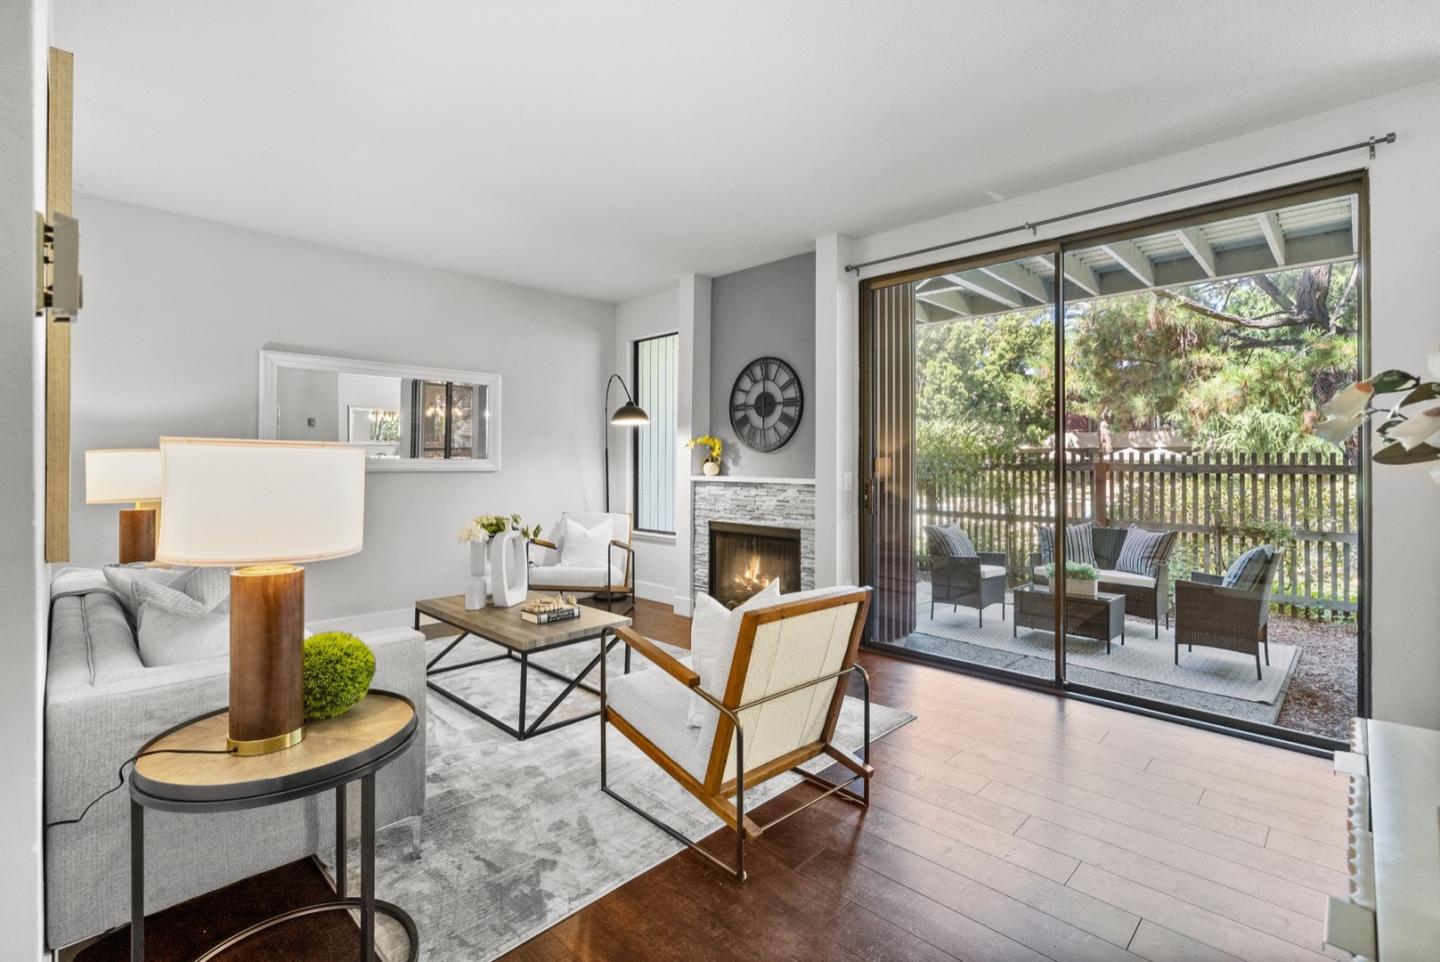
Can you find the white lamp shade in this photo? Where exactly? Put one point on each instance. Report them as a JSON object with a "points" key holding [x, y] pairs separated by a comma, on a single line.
{"points": [[121, 475], [241, 502]]}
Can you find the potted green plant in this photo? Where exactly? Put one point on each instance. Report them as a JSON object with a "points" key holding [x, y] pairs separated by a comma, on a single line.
{"points": [[1080, 579], [711, 467]]}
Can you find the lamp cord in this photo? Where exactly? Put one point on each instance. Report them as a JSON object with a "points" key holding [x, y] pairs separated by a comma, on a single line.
{"points": [[121, 777]]}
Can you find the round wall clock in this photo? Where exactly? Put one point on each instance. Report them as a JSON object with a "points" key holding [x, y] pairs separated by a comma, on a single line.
{"points": [[766, 404]]}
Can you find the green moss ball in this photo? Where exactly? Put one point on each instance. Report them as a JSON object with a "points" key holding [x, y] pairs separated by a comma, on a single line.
{"points": [[338, 669]]}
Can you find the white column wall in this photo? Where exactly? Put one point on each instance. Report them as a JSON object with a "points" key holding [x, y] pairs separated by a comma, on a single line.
{"points": [[692, 417]]}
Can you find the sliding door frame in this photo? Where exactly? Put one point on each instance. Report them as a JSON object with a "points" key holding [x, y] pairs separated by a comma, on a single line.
{"points": [[1350, 182]]}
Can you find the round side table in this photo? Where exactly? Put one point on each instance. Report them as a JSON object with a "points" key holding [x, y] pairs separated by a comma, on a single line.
{"points": [[334, 753]]}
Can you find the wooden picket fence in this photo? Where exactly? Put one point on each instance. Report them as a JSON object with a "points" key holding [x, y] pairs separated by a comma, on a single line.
{"points": [[1220, 503]]}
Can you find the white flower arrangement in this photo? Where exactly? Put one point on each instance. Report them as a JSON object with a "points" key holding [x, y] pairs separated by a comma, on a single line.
{"points": [[473, 533]]}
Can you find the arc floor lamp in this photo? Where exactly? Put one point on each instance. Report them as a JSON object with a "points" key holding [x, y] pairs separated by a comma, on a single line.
{"points": [[629, 415]]}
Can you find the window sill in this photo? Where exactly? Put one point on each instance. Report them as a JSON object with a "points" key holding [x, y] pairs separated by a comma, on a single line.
{"points": [[654, 537]]}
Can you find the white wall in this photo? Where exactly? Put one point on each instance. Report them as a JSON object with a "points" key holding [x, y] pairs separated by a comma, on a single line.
{"points": [[177, 309], [23, 582], [1405, 237], [656, 557]]}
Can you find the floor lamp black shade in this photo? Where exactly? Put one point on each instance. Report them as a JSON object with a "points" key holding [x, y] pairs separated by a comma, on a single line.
{"points": [[629, 415]]}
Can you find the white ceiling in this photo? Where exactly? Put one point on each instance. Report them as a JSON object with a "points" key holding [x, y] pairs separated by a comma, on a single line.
{"points": [[603, 147]]}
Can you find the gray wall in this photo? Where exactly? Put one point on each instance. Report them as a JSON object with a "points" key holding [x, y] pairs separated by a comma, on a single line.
{"points": [[765, 310], [177, 309], [23, 584]]}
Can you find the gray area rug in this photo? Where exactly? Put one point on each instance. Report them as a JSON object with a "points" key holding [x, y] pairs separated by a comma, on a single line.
{"points": [[516, 836]]}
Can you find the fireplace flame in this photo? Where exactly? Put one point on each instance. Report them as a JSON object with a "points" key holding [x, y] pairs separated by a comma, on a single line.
{"points": [[751, 578]]}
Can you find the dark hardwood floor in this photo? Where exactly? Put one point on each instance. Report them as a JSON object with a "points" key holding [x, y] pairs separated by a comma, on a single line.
{"points": [[1005, 824]]}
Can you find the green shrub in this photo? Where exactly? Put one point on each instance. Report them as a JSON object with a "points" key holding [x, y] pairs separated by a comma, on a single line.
{"points": [[338, 668], [1074, 571]]}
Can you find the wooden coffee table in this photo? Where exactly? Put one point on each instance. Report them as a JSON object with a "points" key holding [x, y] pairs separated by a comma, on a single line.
{"points": [[1100, 618], [520, 639]]}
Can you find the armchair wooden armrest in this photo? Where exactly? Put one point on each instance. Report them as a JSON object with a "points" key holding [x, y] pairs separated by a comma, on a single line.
{"points": [[688, 677], [622, 545], [545, 544]]}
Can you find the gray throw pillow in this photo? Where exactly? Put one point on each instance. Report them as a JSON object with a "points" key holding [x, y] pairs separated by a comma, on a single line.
{"points": [[123, 578], [174, 627]]}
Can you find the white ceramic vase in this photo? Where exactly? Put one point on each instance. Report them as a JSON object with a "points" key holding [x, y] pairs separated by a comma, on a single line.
{"points": [[711, 468], [479, 559], [509, 574], [477, 594], [1080, 589]]}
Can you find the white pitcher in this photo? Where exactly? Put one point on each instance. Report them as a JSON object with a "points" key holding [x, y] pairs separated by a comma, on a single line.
{"points": [[509, 574]]}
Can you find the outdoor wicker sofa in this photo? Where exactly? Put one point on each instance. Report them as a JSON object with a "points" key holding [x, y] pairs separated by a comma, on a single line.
{"points": [[959, 578], [1234, 619], [1146, 596]]}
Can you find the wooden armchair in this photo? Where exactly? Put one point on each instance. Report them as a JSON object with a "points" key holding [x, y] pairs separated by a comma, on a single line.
{"points": [[1209, 614], [779, 709], [616, 581]]}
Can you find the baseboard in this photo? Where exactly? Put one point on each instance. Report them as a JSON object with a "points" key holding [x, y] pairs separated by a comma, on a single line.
{"points": [[372, 621], [683, 605], [654, 591]]}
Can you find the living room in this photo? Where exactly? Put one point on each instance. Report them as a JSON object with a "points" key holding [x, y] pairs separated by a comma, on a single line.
{"points": [[672, 314]]}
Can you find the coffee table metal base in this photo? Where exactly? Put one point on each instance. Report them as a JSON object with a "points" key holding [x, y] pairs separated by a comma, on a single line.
{"points": [[538, 727]]}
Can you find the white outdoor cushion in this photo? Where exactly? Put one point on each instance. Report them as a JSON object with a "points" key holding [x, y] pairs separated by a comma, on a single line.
{"points": [[1114, 577], [992, 571], [713, 632], [1126, 578], [658, 707], [569, 576], [586, 546]]}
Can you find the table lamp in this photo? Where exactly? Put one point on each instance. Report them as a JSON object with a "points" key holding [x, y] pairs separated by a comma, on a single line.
{"points": [[266, 507], [127, 476]]}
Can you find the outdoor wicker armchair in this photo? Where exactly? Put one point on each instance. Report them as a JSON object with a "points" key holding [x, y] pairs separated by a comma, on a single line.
{"points": [[977, 581], [1209, 614]]}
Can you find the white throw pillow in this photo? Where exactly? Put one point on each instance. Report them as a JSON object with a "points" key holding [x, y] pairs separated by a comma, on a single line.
{"points": [[713, 633], [586, 547], [174, 627]]}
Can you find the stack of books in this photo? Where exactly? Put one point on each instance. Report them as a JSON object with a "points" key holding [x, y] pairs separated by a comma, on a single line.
{"points": [[544, 611]]}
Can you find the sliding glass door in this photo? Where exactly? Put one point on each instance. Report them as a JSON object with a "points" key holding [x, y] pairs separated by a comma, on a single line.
{"points": [[1207, 548]]}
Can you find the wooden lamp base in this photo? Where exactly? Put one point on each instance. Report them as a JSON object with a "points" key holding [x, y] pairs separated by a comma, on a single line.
{"points": [[137, 532], [267, 630]]}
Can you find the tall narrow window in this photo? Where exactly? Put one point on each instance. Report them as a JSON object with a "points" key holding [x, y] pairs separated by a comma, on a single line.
{"points": [[655, 391]]}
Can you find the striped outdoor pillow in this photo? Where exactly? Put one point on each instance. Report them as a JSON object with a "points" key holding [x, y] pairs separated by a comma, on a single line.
{"points": [[949, 539], [1247, 572], [1079, 546], [1142, 550]]}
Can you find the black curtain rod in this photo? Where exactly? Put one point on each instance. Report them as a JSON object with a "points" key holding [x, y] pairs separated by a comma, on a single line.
{"points": [[1035, 225]]}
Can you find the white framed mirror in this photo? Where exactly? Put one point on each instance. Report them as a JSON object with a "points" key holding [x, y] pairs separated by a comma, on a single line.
{"points": [[408, 418]]}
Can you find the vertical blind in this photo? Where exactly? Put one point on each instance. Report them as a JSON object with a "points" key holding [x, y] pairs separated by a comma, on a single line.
{"points": [[890, 417], [656, 391]]}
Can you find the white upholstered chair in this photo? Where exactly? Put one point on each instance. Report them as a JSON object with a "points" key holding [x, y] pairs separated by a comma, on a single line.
{"points": [[548, 572], [778, 710]]}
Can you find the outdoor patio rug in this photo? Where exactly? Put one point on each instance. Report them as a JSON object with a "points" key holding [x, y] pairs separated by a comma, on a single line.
{"points": [[1226, 673], [517, 835]]}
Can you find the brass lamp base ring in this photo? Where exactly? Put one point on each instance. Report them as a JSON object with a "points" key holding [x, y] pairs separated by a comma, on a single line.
{"points": [[264, 746]]}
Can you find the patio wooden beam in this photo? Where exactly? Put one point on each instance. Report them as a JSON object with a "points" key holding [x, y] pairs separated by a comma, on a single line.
{"points": [[1132, 259], [1274, 235], [1022, 280], [1199, 248], [1080, 275], [984, 284], [950, 299]]}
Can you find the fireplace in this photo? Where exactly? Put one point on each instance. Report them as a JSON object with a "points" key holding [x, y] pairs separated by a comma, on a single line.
{"points": [[744, 558]]}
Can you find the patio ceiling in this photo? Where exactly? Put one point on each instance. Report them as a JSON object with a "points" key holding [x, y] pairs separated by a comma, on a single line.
{"points": [[1320, 232]]}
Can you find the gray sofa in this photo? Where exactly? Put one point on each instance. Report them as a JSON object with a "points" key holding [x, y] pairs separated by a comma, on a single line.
{"points": [[102, 704]]}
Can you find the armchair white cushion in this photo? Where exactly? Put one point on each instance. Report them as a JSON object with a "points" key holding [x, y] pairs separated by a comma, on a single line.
{"points": [[559, 568], [569, 576], [586, 545]]}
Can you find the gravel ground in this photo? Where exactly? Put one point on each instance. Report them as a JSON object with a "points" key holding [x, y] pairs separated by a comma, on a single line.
{"points": [[1321, 698]]}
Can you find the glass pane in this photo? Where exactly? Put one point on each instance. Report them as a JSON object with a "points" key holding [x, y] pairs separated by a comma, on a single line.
{"points": [[462, 420], [965, 466], [434, 419], [655, 454], [1196, 359]]}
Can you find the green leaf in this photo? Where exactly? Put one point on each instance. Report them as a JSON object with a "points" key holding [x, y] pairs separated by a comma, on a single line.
{"points": [[1395, 453], [1387, 382], [1425, 392]]}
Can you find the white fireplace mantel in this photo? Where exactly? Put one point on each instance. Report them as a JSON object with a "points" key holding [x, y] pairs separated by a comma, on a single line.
{"points": [[746, 479]]}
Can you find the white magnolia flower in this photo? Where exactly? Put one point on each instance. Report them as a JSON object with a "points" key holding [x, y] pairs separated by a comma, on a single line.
{"points": [[1435, 474], [1337, 430], [1434, 361], [1350, 402]]}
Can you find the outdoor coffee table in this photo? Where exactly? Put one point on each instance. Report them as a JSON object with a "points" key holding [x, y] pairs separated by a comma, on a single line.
{"points": [[520, 639], [1100, 618]]}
